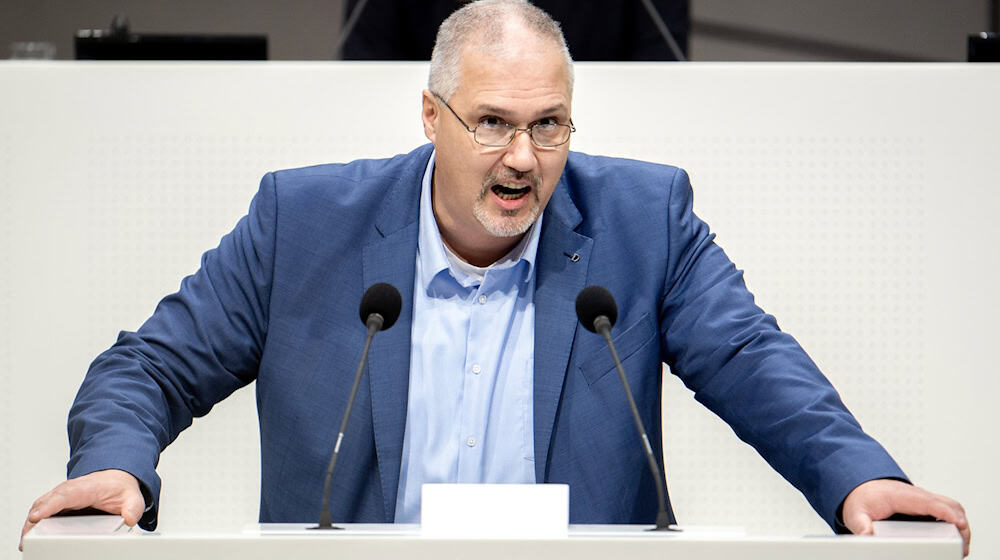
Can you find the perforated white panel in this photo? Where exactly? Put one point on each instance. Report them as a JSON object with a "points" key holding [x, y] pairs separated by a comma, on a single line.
{"points": [[860, 199], [834, 250], [8, 431]]}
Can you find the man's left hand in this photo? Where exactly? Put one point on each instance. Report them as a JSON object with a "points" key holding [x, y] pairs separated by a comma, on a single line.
{"points": [[879, 499]]}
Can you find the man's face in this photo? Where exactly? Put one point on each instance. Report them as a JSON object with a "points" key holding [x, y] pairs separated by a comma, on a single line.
{"points": [[486, 198]]}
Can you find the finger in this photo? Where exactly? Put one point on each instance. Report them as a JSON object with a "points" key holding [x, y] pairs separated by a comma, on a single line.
{"points": [[942, 508], [960, 520], [946, 512], [945, 509], [859, 522], [132, 508], [50, 503], [38, 511], [24, 531], [955, 516], [68, 495]]}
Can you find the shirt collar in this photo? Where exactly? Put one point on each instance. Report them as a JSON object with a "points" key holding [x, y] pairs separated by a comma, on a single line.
{"points": [[434, 256]]}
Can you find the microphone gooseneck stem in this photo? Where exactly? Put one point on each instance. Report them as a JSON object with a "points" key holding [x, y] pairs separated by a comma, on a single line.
{"points": [[603, 325], [374, 324]]}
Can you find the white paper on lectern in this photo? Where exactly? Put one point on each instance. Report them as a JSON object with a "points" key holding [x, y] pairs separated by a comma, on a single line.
{"points": [[915, 529], [82, 525], [494, 510]]}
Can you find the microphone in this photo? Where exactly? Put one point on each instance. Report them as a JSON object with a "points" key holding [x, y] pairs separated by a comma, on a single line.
{"points": [[380, 307], [597, 312]]}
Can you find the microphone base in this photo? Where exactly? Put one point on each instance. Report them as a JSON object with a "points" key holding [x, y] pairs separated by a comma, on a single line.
{"points": [[325, 528], [663, 524]]}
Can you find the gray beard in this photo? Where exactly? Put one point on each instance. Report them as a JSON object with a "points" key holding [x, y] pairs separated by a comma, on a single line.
{"points": [[506, 224]]}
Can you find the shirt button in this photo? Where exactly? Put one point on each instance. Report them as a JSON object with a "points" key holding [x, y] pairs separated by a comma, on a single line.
{"points": [[471, 442], [482, 299], [476, 369]]}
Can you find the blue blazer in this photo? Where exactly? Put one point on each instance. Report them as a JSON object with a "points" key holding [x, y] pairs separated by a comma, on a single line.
{"points": [[277, 303]]}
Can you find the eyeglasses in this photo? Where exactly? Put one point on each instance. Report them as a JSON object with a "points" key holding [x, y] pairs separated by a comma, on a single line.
{"points": [[495, 133]]}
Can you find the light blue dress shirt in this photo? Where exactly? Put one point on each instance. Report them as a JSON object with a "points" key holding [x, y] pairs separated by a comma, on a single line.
{"points": [[469, 414]]}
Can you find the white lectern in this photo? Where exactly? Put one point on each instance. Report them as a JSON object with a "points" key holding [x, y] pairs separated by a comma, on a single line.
{"points": [[104, 538]]}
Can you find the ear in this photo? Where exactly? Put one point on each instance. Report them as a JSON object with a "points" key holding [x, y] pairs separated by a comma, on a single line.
{"points": [[429, 113]]}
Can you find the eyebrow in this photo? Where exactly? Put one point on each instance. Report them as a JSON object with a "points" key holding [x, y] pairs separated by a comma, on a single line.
{"points": [[500, 112]]}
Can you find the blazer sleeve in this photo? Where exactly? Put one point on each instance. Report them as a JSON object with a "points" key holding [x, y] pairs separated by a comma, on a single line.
{"points": [[754, 376], [201, 344]]}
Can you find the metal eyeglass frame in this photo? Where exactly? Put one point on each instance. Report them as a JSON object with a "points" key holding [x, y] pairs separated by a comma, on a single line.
{"points": [[514, 130]]}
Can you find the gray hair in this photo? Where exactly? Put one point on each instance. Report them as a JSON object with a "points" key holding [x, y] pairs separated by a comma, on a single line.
{"points": [[485, 18]]}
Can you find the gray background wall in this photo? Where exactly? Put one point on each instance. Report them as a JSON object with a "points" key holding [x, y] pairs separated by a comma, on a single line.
{"points": [[835, 29], [721, 29]]}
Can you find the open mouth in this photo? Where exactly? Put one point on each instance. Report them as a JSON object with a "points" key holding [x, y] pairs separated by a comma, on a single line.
{"points": [[511, 192]]}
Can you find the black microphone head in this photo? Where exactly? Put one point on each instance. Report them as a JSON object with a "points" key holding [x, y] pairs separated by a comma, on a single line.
{"points": [[383, 299], [591, 303]]}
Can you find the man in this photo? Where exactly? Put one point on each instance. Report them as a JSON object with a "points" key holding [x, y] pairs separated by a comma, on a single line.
{"points": [[486, 377]]}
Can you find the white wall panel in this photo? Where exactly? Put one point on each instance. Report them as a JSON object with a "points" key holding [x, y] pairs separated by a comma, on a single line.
{"points": [[860, 199]]}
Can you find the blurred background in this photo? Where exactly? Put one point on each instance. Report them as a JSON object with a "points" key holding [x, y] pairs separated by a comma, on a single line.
{"points": [[705, 30]]}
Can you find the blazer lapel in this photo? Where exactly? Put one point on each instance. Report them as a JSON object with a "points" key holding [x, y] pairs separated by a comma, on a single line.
{"points": [[561, 272], [391, 258]]}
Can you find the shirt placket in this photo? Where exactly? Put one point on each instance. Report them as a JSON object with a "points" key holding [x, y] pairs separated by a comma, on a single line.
{"points": [[479, 375]]}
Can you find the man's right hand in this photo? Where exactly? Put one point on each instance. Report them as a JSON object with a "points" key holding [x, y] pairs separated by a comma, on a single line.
{"points": [[116, 492]]}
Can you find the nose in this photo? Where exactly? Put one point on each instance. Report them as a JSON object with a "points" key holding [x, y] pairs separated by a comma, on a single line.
{"points": [[520, 154]]}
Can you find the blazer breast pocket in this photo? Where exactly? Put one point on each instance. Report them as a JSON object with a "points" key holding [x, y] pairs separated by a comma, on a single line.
{"points": [[599, 363]]}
